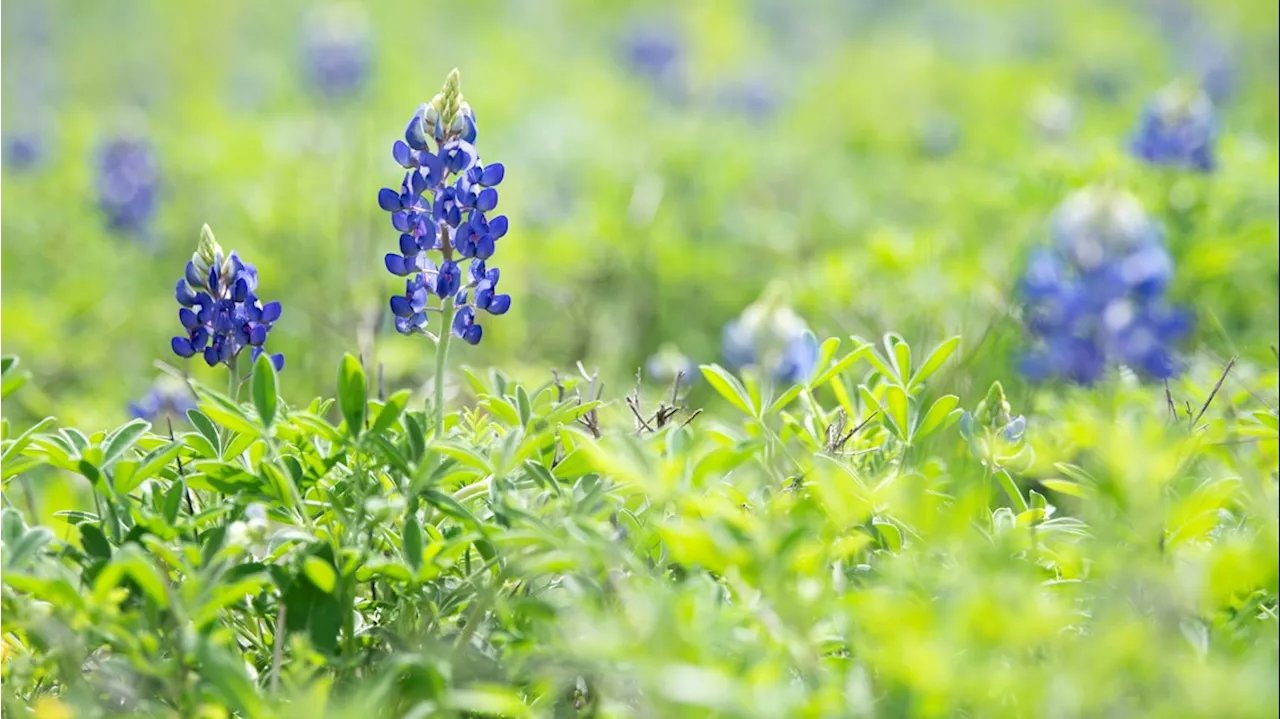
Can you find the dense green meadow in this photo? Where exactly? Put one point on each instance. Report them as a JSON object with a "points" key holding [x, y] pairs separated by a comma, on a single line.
{"points": [[846, 359]]}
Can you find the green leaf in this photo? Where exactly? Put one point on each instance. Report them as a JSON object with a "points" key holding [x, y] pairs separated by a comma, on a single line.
{"points": [[490, 700], [8, 363], [1011, 489], [122, 439], [205, 427], [901, 355], [449, 506], [413, 541], [265, 397], [890, 535], [11, 383], [1067, 487], [785, 398], [897, 408], [25, 547], [465, 455], [155, 461], [826, 351], [22, 440], [351, 395], [391, 411], [94, 542], [936, 358], [320, 572], [522, 406], [942, 413], [227, 414], [843, 364], [1267, 419], [173, 502], [728, 387]]}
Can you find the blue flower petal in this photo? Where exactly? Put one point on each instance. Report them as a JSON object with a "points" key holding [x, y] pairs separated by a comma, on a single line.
{"points": [[499, 304], [182, 346], [493, 174], [400, 306]]}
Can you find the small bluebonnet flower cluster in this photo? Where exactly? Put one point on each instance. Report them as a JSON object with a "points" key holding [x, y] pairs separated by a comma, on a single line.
{"points": [[220, 311], [128, 182], [992, 431], [163, 398], [656, 53], [751, 97], [1177, 129], [22, 152], [668, 362], [770, 335], [1097, 296], [443, 205], [337, 51]]}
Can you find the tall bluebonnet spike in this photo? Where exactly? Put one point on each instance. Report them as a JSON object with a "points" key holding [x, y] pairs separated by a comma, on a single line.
{"points": [[441, 207], [1177, 129], [225, 315], [1097, 298]]}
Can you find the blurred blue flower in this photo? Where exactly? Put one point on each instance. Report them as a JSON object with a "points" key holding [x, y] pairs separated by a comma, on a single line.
{"points": [[220, 311], [669, 361], [23, 152], [337, 49], [751, 97], [1177, 129], [770, 335], [1097, 297], [444, 205], [163, 398], [128, 183], [655, 52]]}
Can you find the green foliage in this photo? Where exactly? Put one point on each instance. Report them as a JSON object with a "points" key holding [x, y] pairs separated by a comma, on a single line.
{"points": [[836, 554]]}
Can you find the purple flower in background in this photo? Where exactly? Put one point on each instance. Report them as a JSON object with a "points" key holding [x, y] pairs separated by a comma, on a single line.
{"points": [[23, 152], [655, 52], [127, 182], [337, 50], [163, 398], [1177, 129], [669, 361], [220, 311], [751, 97], [1097, 296], [445, 205], [769, 335]]}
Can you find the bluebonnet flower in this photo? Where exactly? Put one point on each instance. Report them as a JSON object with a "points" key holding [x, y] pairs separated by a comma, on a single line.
{"points": [[163, 398], [752, 97], [994, 434], [656, 53], [128, 182], [1177, 129], [1097, 296], [669, 361], [443, 205], [769, 335], [23, 152], [337, 51], [220, 311]]}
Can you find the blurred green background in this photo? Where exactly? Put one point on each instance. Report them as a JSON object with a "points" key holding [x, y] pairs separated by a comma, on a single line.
{"points": [[889, 164]]}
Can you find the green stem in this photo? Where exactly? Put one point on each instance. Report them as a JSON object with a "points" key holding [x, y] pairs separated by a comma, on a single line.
{"points": [[442, 354], [233, 380]]}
